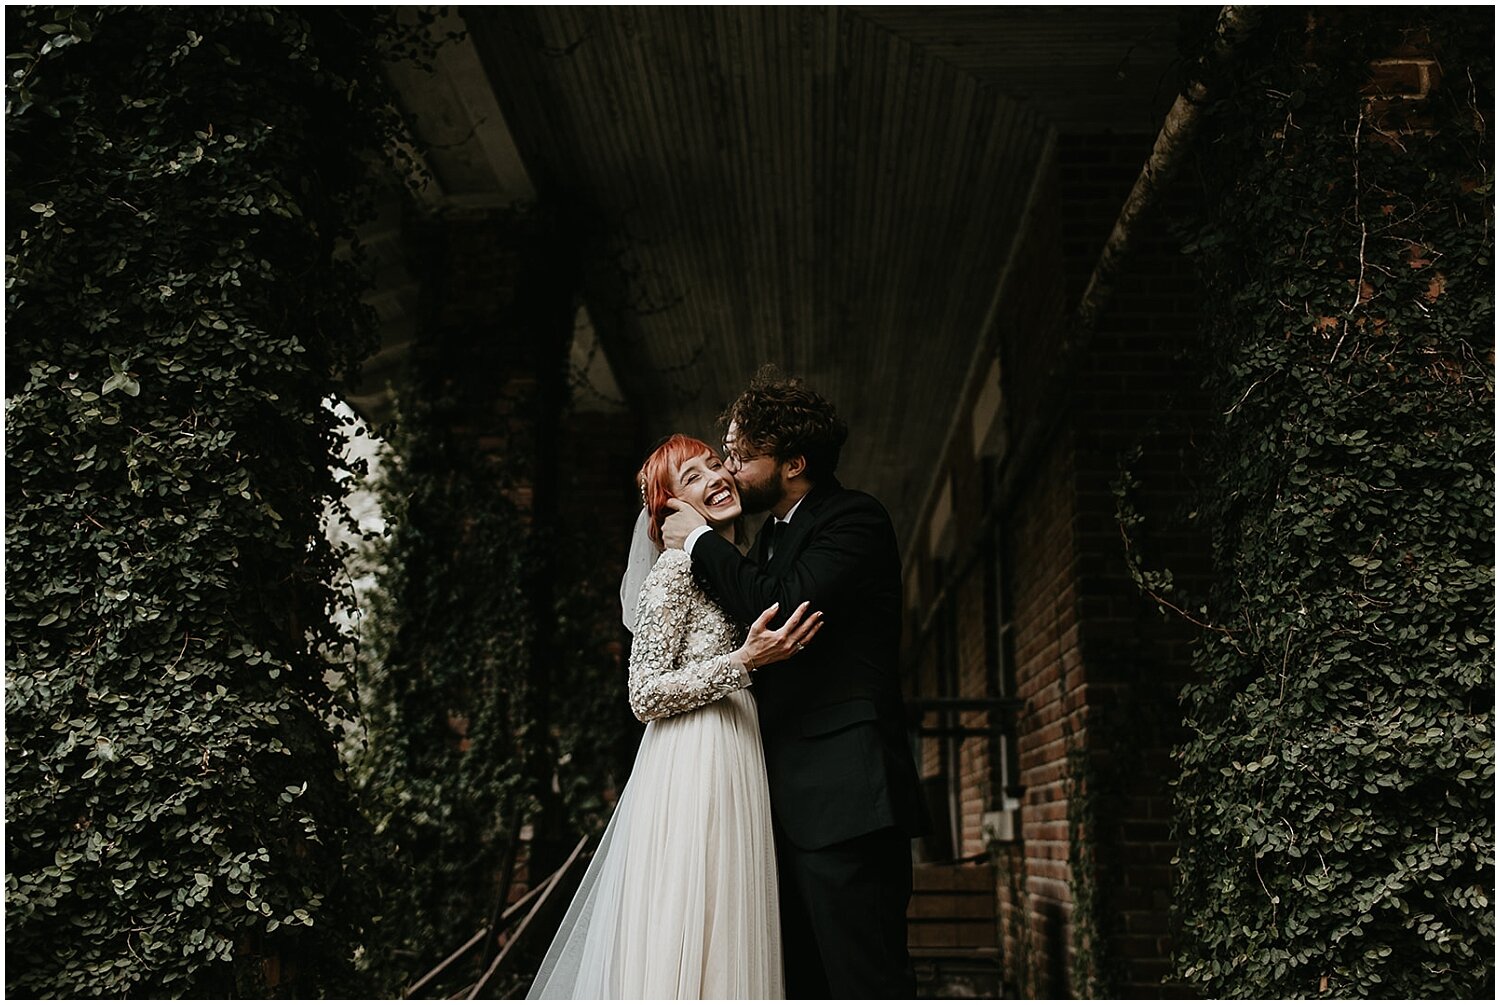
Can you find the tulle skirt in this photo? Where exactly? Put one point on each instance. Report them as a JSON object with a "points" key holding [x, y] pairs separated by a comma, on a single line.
{"points": [[680, 898]]}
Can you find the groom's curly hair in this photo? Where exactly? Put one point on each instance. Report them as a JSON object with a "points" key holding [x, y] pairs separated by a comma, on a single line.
{"points": [[785, 418]]}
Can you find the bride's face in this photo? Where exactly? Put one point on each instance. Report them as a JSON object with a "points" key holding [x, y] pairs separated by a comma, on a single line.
{"points": [[702, 483]]}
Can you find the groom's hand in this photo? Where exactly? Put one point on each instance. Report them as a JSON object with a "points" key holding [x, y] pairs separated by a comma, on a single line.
{"points": [[681, 522]]}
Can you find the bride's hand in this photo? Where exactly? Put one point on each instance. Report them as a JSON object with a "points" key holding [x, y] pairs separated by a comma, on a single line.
{"points": [[763, 646]]}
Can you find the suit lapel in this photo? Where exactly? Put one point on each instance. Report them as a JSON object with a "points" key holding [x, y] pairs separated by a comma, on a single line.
{"points": [[794, 533]]}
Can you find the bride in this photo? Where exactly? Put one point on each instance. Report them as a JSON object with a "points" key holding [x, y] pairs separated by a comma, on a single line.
{"points": [[680, 900]]}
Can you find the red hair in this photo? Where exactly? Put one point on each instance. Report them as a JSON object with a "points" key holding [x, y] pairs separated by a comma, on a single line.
{"points": [[656, 476]]}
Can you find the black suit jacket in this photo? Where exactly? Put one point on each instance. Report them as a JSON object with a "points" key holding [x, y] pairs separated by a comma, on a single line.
{"points": [[832, 720]]}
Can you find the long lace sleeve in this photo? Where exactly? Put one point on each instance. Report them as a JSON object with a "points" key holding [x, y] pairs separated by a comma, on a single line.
{"points": [[679, 659]]}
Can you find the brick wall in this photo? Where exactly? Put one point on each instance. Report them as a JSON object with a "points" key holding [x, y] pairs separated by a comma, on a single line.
{"points": [[974, 752], [1095, 665], [1040, 547], [1139, 386]]}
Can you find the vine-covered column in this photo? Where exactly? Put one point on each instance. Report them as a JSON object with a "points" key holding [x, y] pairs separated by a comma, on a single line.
{"points": [[177, 182], [464, 664], [1336, 800]]}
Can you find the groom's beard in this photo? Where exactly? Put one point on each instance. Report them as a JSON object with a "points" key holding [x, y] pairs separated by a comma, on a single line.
{"points": [[758, 497]]}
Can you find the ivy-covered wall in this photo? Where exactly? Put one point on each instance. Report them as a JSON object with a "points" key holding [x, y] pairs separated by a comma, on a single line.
{"points": [[485, 679], [178, 182], [1336, 795], [447, 727]]}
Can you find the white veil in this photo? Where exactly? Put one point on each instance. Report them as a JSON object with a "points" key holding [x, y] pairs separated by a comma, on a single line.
{"points": [[643, 555]]}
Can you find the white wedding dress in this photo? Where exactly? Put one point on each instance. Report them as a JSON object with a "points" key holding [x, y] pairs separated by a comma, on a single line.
{"points": [[680, 899]]}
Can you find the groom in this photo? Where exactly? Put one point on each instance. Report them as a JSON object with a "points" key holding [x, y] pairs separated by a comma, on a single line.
{"points": [[845, 798]]}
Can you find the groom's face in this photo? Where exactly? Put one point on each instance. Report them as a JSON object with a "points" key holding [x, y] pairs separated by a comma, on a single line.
{"points": [[756, 475]]}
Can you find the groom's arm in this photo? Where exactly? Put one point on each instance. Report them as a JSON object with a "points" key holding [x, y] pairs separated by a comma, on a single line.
{"points": [[832, 567]]}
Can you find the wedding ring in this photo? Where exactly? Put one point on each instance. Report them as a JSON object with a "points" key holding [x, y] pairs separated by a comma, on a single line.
{"points": [[799, 647]]}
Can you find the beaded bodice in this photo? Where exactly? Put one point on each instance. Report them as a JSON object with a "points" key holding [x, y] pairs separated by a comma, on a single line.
{"points": [[679, 659]]}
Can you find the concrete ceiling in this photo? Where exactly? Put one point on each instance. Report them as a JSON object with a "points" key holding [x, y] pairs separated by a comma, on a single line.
{"points": [[831, 189], [470, 163]]}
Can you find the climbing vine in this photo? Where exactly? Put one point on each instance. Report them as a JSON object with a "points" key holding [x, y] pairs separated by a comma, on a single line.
{"points": [[1096, 782], [1088, 963], [446, 728], [1335, 806], [490, 680], [179, 180], [451, 735], [1019, 960]]}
